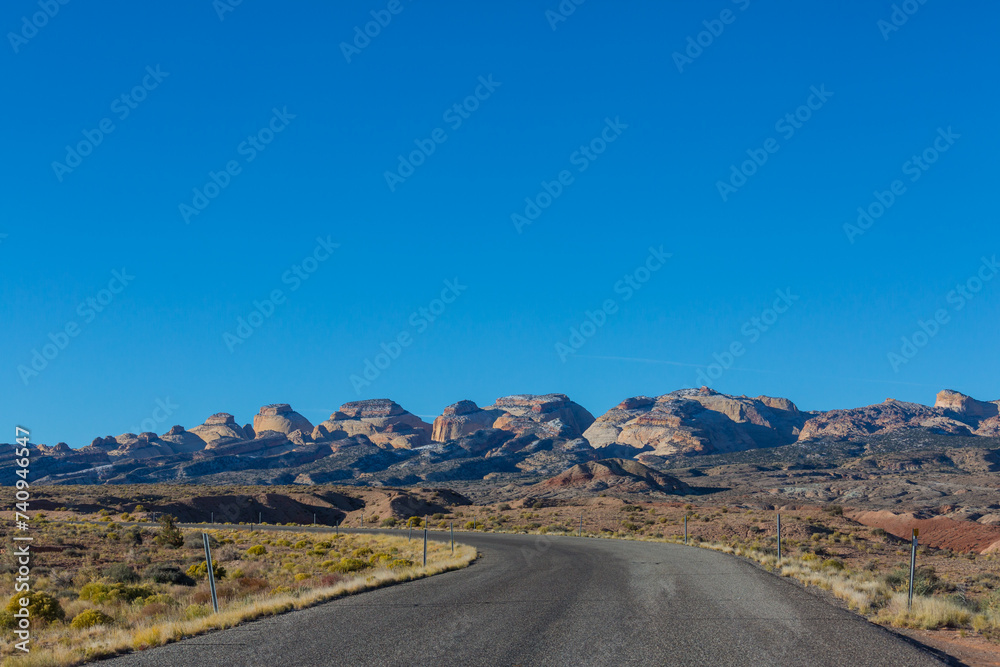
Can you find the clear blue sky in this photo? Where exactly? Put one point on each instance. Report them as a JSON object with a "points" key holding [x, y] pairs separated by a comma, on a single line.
{"points": [[218, 82]]}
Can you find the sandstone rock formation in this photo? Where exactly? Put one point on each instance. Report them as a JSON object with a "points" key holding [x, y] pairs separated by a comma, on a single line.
{"points": [[461, 419], [860, 423], [220, 426], [280, 418], [180, 440], [966, 406], [547, 415], [696, 421], [383, 421], [614, 475]]}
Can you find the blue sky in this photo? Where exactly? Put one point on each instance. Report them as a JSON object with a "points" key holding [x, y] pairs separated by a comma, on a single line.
{"points": [[327, 131]]}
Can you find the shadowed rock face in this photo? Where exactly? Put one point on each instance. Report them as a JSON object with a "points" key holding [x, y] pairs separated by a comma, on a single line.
{"points": [[696, 421], [547, 415], [383, 421], [618, 475], [280, 418]]}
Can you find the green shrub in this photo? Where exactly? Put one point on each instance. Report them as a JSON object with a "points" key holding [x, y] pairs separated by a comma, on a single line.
{"points": [[100, 593], [40, 605], [200, 570], [168, 574], [833, 563], [349, 565], [170, 535], [362, 551], [88, 618], [120, 573], [390, 522], [160, 598], [197, 611], [400, 562], [301, 544], [257, 550]]}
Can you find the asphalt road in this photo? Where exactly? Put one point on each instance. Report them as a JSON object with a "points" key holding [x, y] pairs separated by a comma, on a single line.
{"points": [[532, 600]]}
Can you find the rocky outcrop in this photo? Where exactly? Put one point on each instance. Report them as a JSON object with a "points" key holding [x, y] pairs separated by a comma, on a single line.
{"points": [[142, 446], [696, 421], [182, 441], [220, 426], [547, 416], [462, 419], [892, 415], [552, 415], [280, 418], [384, 422], [965, 406], [614, 475]]}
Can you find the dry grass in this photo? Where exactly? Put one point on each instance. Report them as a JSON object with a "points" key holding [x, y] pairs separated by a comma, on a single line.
{"points": [[60, 645]]}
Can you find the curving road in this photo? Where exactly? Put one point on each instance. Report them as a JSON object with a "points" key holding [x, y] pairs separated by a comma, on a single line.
{"points": [[532, 600]]}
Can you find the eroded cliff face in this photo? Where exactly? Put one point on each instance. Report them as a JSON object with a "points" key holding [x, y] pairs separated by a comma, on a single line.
{"points": [[383, 421], [547, 415], [697, 421]]}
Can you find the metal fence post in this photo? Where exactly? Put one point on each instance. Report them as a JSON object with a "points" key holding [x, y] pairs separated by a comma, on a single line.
{"points": [[581, 524], [685, 529], [913, 566], [425, 540], [452, 538], [213, 518], [779, 537], [211, 572]]}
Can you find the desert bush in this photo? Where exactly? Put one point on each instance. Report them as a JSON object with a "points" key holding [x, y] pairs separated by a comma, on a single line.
{"points": [[89, 618], [167, 574], [228, 552], [390, 522], [160, 598], [833, 564], [400, 562], [362, 551], [40, 606], [200, 570], [170, 535], [301, 544], [120, 573], [349, 565], [197, 611], [257, 550], [100, 593]]}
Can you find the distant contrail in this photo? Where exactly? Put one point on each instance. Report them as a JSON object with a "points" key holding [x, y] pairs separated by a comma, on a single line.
{"points": [[756, 370]]}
